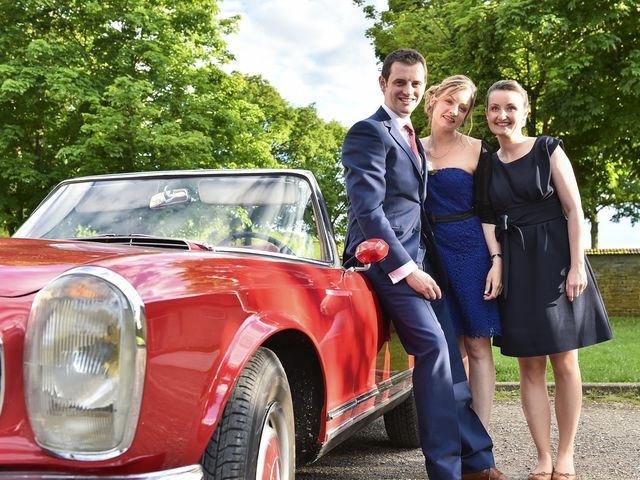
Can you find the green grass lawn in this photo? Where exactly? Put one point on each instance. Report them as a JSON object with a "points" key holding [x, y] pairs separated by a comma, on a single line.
{"points": [[617, 360]]}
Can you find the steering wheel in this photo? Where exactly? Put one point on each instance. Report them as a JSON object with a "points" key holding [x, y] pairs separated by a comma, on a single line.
{"points": [[282, 248]]}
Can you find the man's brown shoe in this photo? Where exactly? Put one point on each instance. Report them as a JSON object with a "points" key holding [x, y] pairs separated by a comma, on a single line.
{"points": [[487, 474]]}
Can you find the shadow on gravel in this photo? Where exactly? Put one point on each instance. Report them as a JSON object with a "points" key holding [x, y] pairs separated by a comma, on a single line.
{"points": [[607, 446], [367, 455]]}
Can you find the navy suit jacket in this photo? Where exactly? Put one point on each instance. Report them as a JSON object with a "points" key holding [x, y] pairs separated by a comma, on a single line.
{"points": [[387, 190]]}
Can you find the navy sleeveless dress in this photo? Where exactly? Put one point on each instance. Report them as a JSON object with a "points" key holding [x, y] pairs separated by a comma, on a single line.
{"points": [[537, 318], [461, 245]]}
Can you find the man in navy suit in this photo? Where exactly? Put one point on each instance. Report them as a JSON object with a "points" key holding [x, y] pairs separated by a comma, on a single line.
{"points": [[386, 185]]}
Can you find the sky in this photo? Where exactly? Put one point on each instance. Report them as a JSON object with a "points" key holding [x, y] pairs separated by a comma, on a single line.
{"points": [[316, 52]]}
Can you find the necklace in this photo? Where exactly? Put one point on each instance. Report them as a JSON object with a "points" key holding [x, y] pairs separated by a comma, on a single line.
{"points": [[453, 144]]}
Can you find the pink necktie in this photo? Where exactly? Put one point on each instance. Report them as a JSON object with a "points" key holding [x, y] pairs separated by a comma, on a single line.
{"points": [[412, 142]]}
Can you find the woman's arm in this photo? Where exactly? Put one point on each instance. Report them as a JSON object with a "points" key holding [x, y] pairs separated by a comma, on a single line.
{"points": [[493, 283], [567, 188], [483, 208]]}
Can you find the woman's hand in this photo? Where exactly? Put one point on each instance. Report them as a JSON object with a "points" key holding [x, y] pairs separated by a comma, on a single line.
{"points": [[576, 282], [493, 284]]}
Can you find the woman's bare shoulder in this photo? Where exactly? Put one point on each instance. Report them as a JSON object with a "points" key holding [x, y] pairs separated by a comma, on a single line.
{"points": [[474, 143]]}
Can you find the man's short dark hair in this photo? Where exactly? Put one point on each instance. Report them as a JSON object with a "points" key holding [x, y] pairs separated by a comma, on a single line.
{"points": [[407, 56]]}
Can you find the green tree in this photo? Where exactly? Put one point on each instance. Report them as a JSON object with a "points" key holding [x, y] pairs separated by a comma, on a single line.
{"points": [[317, 146], [579, 61], [89, 87], [300, 139]]}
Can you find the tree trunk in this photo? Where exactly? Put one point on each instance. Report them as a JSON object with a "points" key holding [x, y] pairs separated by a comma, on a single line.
{"points": [[593, 221]]}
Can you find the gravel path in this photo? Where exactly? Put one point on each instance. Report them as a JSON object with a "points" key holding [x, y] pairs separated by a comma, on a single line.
{"points": [[607, 447]]}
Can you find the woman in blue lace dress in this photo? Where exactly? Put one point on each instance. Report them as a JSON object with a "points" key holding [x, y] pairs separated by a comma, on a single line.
{"points": [[471, 258]]}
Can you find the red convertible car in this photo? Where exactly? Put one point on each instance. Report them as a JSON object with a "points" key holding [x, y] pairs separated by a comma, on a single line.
{"points": [[187, 325]]}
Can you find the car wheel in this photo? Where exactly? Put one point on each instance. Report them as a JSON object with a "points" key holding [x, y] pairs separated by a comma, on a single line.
{"points": [[255, 437], [401, 424]]}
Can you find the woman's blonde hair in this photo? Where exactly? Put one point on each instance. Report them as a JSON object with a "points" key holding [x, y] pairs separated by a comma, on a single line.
{"points": [[449, 86]]}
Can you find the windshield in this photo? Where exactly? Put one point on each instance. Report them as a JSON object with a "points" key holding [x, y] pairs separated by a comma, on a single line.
{"points": [[269, 213]]}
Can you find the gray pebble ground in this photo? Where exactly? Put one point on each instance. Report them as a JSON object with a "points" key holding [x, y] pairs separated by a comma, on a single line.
{"points": [[607, 447]]}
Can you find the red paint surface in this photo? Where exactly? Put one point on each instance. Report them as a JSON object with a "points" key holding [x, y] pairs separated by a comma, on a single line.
{"points": [[206, 314]]}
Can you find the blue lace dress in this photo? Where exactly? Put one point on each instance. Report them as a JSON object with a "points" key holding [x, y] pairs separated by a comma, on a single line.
{"points": [[462, 247]]}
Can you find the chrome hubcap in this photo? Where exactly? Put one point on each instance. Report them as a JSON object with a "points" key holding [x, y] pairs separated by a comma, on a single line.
{"points": [[273, 454]]}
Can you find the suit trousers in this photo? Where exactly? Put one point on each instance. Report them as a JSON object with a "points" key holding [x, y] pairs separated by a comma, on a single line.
{"points": [[453, 439]]}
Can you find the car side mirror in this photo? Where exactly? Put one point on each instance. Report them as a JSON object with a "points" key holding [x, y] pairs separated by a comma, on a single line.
{"points": [[371, 251]]}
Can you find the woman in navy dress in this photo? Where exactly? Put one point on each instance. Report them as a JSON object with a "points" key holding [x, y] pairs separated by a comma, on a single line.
{"points": [[474, 281], [550, 305]]}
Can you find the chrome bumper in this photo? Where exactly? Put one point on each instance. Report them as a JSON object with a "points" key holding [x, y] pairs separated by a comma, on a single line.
{"points": [[192, 472]]}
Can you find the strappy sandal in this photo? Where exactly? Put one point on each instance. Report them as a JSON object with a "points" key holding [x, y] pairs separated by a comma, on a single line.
{"points": [[540, 476], [563, 476]]}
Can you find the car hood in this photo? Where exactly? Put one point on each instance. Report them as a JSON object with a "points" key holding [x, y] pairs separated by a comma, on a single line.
{"points": [[27, 265]]}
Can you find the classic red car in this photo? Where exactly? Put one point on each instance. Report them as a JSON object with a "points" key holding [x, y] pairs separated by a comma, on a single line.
{"points": [[186, 325]]}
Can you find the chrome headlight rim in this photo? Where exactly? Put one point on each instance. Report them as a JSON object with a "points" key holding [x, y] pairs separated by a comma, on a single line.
{"points": [[139, 328], [2, 375]]}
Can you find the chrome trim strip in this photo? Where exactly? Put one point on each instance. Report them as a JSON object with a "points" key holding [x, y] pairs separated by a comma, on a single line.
{"points": [[342, 409], [261, 253], [191, 472], [325, 227], [2, 375], [335, 436], [384, 386]]}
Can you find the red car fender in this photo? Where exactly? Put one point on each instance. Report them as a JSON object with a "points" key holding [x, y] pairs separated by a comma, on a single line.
{"points": [[253, 333]]}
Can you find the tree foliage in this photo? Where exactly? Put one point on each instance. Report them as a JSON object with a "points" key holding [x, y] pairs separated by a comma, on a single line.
{"points": [[90, 87], [579, 60]]}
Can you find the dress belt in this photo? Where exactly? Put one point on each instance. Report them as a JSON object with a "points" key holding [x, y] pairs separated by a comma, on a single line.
{"points": [[505, 226], [454, 217], [525, 215]]}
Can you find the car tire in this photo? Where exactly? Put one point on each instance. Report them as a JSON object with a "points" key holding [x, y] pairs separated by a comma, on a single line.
{"points": [[255, 437], [401, 424]]}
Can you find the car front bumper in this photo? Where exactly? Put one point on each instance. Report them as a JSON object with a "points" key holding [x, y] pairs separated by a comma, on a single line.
{"points": [[192, 472]]}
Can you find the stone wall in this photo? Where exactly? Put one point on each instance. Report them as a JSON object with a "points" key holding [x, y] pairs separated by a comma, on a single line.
{"points": [[618, 275]]}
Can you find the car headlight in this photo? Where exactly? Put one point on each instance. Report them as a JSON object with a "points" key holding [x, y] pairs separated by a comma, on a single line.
{"points": [[84, 363]]}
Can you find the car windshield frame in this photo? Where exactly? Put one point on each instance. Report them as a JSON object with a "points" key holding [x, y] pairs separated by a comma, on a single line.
{"points": [[276, 212]]}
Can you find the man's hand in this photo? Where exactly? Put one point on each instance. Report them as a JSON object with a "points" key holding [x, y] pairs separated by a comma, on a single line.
{"points": [[424, 284]]}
